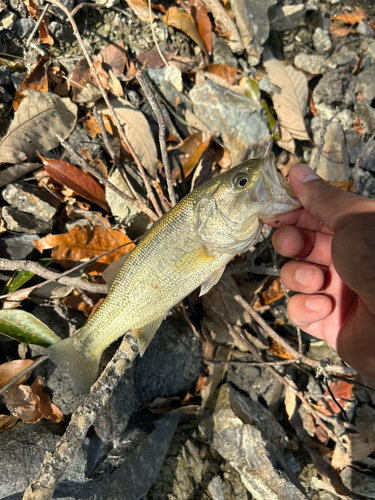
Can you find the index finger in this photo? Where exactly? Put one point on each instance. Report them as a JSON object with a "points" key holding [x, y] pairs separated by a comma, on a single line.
{"points": [[300, 218]]}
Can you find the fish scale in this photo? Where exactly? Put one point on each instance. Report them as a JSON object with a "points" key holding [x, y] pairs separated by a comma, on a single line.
{"points": [[188, 247]]}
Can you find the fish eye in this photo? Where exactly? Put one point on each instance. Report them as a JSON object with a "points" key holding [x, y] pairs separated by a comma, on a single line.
{"points": [[240, 180]]}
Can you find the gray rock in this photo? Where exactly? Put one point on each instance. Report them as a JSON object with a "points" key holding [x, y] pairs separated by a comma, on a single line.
{"points": [[79, 139], [21, 222], [126, 213], [61, 33], [358, 482], [366, 114], [335, 88], [366, 83], [31, 199], [5, 75], [253, 24], [367, 47], [342, 58], [368, 161], [286, 17], [251, 440], [7, 20], [221, 52], [354, 145], [314, 64], [215, 488], [365, 183], [23, 27], [21, 247], [321, 40], [364, 29], [241, 122], [171, 363], [22, 450], [5, 96]]}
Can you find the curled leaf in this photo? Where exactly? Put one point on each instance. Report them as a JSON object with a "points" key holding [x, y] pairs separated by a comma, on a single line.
{"points": [[12, 369], [46, 407], [23, 403], [7, 422]]}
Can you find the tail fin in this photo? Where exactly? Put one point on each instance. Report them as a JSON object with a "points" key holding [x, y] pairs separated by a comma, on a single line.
{"points": [[82, 370]]}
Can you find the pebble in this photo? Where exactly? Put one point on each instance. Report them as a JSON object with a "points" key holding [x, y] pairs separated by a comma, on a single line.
{"points": [[21, 222], [321, 40]]}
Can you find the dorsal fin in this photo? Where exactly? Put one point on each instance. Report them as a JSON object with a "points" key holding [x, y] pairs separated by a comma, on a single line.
{"points": [[112, 270]]}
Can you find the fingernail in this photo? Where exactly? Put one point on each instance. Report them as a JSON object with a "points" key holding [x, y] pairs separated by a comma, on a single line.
{"points": [[281, 236], [304, 173], [304, 276], [316, 304]]}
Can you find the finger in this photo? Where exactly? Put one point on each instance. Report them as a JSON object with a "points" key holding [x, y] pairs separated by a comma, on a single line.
{"points": [[300, 276], [326, 203], [304, 309], [303, 244], [298, 218]]}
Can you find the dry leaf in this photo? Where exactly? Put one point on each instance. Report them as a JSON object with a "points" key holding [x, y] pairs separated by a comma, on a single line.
{"points": [[85, 243], [351, 17], [187, 155], [225, 72], [203, 22], [140, 9], [35, 125], [7, 422], [152, 59], [76, 302], [339, 31], [343, 392], [115, 84], [184, 22], [37, 79], [91, 126], [137, 130], [216, 371], [278, 351], [73, 177], [115, 56], [12, 369], [23, 403], [35, 13], [291, 103], [46, 407], [270, 292]]}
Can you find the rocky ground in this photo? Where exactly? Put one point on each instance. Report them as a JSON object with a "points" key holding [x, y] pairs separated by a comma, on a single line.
{"points": [[199, 415]]}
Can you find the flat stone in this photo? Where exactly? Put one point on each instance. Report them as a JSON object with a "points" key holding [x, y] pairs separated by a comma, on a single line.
{"points": [[19, 247], [31, 199], [174, 76], [364, 29], [366, 83], [286, 17], [321, 40], [314, 64], [215, 488], [221, 52], [23, 27], [21, 222]]}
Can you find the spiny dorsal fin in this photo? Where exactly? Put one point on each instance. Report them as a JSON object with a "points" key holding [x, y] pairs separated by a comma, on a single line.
{"points": [[211, 281], [112, 270], [146, 333]]}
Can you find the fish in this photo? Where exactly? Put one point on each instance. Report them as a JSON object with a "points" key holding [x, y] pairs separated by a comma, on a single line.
{"points": [[188, 247]]}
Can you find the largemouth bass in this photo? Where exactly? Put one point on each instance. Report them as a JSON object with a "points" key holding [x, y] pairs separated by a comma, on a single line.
{"points": [[186, 248]]}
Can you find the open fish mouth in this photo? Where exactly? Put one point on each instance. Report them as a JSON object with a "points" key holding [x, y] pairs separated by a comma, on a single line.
{"points": [[272, 192]]}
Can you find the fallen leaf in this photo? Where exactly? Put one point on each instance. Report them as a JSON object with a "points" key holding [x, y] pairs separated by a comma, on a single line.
{"points": [[356, 16], [343, 393], [35, 13], [12, 369], [225, 72], [23, 403], [270, 291], [140, 9], [75, 179], [91, 126], [184, 22], [35, 124], [7, 422], [14, 301], [13, 173], [24, 327], [339, 31], [152, 59], [115, 84], [46, 407], [75, 301], [216, 371], [187, 155], [85, 243], [97, 163], [37, 79], [137, 130], [278, 351], [291, 103], [22, 277], [114, 56], [203, 22]]}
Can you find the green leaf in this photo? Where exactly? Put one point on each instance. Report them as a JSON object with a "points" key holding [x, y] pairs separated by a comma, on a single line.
{"points": [[252, 90], [26, 328], [271, 120], [22, 277]]}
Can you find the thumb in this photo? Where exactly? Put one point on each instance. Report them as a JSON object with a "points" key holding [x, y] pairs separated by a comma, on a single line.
{"points": [[329, 204]]}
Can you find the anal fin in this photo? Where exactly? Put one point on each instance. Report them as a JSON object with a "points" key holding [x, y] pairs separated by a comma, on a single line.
{"points": [[146, 333], [211, 281]]}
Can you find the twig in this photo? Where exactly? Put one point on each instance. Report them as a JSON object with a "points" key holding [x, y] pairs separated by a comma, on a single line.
{"points": [[109, 105], [162, 129], [83, 164], [31, 367], [162, 199], [251, 363], [37, 24], [322, 140], [55, 463], [154, 36], [360, 158], [87, 4]]}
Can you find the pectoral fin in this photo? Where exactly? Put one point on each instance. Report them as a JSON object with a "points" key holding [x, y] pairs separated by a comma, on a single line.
{"points": [[211, 281], [146, 333], [112, 270]]}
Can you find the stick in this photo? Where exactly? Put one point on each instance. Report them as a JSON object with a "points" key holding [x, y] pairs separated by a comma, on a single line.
{"points": [[162, 129], [54, 464], [37, 24], [15, 379]]}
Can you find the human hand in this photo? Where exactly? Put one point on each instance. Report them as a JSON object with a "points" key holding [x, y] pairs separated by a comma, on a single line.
{"points": [[334, 236]]}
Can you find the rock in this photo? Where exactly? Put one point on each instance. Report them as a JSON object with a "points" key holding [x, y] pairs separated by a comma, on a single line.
{"points": [[61, 33], [79, 139], [171, 363], [6, 22], [365, 184], [21, 222], [368, 160], [23, 27], [126, 213], [367, 47], [286, 17], [221, 52], [335, 88], [251, 440], [22, 450], [366, 114], [5, 75], [241, 122], [354, 145], [21, 247], [5, 96], [253, 24], [314, 64], [31, 199], [342, 58], [173, 75], [358, 482], [321, 40], [366, 83], [215, 488], [364, 29]]}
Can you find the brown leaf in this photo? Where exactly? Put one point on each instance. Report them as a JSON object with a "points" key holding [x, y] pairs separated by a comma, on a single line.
{"points": [[46, 407], [115, 56], [75, 301], [152, 59], [7, 422], [91, 125], [278, 351], [225, 72], [37, 79], [339, 31], [267, 292], [23, 403], [12, 369], [140, 9], [186, 156], [203, 22], [85, 243], [73, 177], [184, 22], [343, 393], [44, 34], [97, 163], [351, 17]]}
